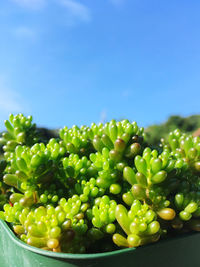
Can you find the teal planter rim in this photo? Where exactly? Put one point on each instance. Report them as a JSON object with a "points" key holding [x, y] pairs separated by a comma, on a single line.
{"points": [[71, 256], [20, 243]]}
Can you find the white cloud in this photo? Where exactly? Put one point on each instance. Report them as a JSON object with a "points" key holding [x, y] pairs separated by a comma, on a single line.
{"points": [[77, 9], [25, 33], [74, 9], [117, 2], [31, 4], [103, 116], [126, 93], [10, 100]]}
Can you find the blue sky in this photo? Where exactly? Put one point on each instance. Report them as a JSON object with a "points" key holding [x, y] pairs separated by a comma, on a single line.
{"points": [[74, 62]]}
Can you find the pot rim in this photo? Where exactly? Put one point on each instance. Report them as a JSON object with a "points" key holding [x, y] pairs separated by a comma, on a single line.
{"points": [[72, 256]]}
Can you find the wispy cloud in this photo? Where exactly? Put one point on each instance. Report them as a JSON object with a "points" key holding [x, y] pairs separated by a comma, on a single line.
{"points": [[117, 2], [126, 93], [77, 9], [31, 4], [10, 100], [103, 116], [24, 32]]}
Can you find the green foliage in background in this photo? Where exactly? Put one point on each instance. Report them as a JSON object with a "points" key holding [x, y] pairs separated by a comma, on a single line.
{"points": [[157, 131]]}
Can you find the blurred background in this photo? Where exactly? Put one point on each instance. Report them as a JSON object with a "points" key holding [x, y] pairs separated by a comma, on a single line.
{"points": [[80, 61]]}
